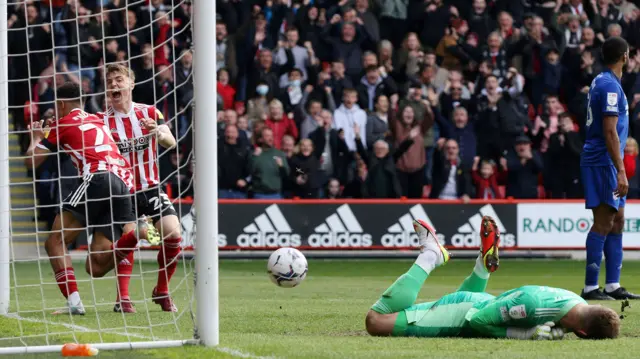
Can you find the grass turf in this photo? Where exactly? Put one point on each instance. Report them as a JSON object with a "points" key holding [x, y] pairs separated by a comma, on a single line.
{"points": [[322, 318]]}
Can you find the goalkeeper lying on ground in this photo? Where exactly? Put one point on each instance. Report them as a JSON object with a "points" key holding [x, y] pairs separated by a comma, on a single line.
{"points": [[529, 312]]}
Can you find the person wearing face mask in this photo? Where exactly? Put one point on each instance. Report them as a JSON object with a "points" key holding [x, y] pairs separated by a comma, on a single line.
{"points": [[305, 172], [303, 56], [264, 70], [258, 107], [292, 93]]}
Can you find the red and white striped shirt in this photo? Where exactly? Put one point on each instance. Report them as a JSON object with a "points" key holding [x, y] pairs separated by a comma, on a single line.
{"points": [[86, 139], [136, 145]]}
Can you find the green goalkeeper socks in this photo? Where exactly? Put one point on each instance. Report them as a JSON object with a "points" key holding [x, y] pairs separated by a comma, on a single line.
{"points": [[477, 281], [403, 292]]}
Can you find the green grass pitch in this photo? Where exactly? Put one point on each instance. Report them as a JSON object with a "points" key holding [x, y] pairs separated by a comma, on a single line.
{"points": [[323, 318]]}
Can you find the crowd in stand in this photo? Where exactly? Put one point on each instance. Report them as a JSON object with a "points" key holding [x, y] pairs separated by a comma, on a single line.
{"points": [[446, 99]]}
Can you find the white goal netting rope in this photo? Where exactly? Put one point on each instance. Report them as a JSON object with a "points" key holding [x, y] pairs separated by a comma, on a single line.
{"points": [[51, 42]]}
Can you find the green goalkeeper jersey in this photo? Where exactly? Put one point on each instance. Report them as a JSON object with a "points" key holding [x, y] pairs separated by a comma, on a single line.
{"points": [[523, 307]]}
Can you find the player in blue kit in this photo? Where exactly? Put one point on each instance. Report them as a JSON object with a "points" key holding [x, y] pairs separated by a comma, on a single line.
{"points": [[603, 175]]}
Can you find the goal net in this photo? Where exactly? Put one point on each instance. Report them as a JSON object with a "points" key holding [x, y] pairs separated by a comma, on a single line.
{"points": [[47, 43]]}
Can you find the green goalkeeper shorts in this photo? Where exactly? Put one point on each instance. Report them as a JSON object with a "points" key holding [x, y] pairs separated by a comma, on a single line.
{"points": [[443, 318]]}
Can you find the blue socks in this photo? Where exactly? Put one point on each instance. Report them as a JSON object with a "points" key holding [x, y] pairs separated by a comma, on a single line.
{"points": [[613, 255], [595, 246]]}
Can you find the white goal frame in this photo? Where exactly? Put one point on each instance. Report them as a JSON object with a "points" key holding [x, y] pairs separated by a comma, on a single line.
{"points": [[206, 268]]}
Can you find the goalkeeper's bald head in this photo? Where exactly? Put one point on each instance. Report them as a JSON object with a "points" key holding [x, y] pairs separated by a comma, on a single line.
{"points": [[599, 322]]}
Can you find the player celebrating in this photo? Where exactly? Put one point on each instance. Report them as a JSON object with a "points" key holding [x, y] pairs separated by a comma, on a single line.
{"points": [[138, 129], [102, 201], [529, 312], [603, 174]]}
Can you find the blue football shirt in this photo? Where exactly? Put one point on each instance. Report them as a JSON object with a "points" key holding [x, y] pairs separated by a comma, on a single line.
{"points": [[606, 98]]}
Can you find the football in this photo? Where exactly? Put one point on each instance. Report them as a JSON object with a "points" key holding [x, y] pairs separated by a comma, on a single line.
{"points": [[287, 267]]}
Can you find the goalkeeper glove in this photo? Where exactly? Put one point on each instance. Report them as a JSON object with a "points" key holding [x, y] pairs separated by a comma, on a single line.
{"points": [[546, 331]]}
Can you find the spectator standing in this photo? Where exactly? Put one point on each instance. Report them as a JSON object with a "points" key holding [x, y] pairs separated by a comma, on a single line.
{"points": [[268, 167], [292, 93], [263, 70], [233, 165], [331, 149], [463, 132], [411, 165], [310, 115], [524, 166], [305, 172], [225, 90], [225, 51], [347, 116], [303, 56], [480, 21], [280, 123], [338, 80], [372, 85], [562, 167], [486, 179], [289, 150], [258, 106], [451, 98], [393, 19], [349, 45], [451, 179], [378, 121]]}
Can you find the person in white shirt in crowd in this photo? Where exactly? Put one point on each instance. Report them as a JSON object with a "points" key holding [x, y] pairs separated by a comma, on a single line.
{"points": [[348, 115], [451, 179]]}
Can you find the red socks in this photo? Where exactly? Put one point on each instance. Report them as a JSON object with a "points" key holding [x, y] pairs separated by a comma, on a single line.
{"points": [[66, 279], [123, 271], [125, 245], [168, 252]]}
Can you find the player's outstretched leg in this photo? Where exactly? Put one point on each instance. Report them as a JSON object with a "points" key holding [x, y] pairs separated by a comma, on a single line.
{"points": [[487, 261], [404, 291], [386, 315], [65, 276], [169, 229]]}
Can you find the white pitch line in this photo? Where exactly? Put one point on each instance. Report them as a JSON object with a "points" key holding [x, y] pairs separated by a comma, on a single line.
{"points": [[79, 328], [240, 354]]}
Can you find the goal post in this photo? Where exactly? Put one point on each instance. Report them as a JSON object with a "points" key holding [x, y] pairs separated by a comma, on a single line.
{"points": [[206, 175], [28, 289], [5, 230]]}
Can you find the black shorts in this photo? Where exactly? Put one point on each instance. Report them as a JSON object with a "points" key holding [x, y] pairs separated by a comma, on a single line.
{"points": [[101, 202], [154, 203]]}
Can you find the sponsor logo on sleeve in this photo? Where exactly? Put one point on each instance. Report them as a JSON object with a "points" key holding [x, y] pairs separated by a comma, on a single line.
{"points": [[612, 98], [518, 312]]}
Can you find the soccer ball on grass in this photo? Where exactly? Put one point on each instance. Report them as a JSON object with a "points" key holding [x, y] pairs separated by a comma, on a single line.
{"points": [[287, 267]]}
